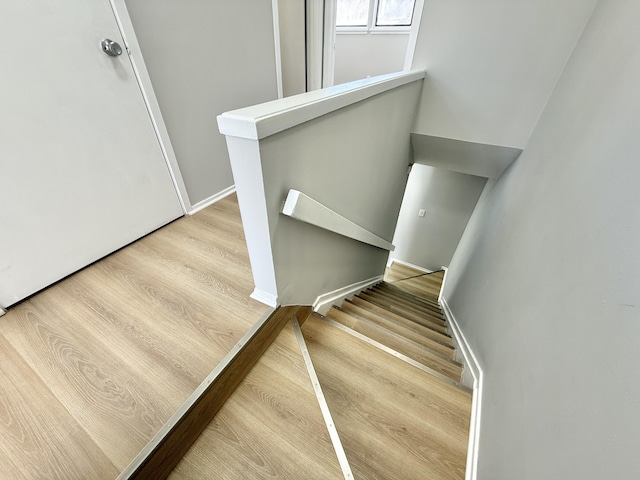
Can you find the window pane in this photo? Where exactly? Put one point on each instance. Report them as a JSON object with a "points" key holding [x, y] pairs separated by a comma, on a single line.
{"points": [[352, 13], [395, 12]]}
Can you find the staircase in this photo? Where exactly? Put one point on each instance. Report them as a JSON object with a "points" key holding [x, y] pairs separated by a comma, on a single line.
{"points": [[409, 325], [378, 371], [386, 362]]}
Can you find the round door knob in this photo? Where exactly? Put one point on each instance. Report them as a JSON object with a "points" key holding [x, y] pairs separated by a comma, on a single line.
{"points": [[111, 48]]}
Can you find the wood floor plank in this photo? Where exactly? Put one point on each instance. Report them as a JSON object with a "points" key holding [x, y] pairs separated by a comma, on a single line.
{"points": [[121, 344], [32, 446], [395, 421], [271, 427], [117, 408], [169, 451]]}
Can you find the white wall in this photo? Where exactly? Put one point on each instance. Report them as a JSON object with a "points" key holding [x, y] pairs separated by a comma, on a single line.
{"points": [[545, 283], [354, 161], [449, 199], [350, 157], [292, 46], [492, 65], [205, 58], [362, 55]]}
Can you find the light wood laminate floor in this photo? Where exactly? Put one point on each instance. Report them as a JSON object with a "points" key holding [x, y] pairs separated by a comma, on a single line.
{"points": [[394, 420], [270, 427], [92, 366], [415, 281]]}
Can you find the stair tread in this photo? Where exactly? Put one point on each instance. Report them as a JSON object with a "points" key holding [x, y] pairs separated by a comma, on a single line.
{"points": [[423, 319], [411, 349], [445, 350], [399, 296], [271, 423], [394, 420], [408, 302], [436, 335], [425, 285], [405, 293]]}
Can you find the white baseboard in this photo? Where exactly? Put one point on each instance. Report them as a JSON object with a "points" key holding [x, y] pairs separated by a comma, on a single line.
{"points": [[472, 363], [324, 302], [211, 200], [444, 280], [407, 264], [2, 311], [264, 297]]}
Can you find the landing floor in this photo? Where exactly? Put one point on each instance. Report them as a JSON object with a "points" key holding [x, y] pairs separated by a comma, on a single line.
{"points": [[93, 366]]}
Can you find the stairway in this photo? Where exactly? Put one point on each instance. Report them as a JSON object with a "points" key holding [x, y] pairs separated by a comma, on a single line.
{"points": [[384, 365], [410, 325]]}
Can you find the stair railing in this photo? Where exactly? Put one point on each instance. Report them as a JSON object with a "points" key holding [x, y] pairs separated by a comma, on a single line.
{"points": [[347, 148]]}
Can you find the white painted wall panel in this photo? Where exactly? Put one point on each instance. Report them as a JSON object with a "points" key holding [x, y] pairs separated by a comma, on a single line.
{"points": [[205, 58], [292, 46], [350, 153], [492, 65], [367, 55], [354, 161], [546, 281], [448, 199]]}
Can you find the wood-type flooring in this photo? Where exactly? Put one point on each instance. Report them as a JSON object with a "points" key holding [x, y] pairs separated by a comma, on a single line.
{"points": [[415, 281], [271, 426], [94, 365], [395, 421]]}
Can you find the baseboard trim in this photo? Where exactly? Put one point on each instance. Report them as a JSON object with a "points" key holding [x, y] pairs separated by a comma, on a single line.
{"points": [[407, 264], [324, 302], [2, 311], [264, 297], [478, 379], [211, 200], [444, 280]]}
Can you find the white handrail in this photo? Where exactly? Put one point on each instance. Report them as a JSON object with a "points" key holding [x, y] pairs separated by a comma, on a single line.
{"points": [[305, 209], [260, 121]]}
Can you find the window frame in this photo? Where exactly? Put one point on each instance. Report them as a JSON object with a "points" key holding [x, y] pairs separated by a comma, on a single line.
{"points": [[371, 26]]}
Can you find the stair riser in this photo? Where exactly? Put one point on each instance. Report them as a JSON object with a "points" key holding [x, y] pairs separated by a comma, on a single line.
{"points": [[400, 329], [410, 296], [422, 355], [432, 316], [420, 317], [411, 322], [434, 311]]}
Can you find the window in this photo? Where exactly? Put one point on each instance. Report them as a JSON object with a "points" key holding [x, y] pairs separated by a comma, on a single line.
{"points": [[352, 13], [373, 14], [396, 13]]}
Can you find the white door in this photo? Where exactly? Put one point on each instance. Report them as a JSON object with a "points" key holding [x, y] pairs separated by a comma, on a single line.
{"points": [[81, 170]]}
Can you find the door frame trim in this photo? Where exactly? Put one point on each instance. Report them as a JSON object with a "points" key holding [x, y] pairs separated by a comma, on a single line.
{"points": [[413, 35], [276, 40], [143, 79]]}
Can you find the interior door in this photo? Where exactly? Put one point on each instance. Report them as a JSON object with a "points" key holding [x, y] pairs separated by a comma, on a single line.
{"points": [[81, 169]]}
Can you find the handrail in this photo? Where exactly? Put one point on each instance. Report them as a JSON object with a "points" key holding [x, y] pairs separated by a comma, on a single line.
{"points": [[305, 209], [260, 121]]}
